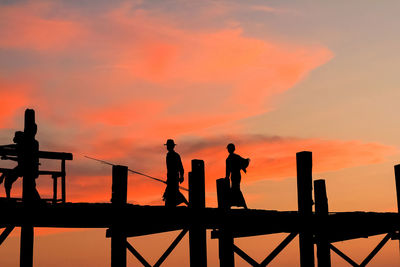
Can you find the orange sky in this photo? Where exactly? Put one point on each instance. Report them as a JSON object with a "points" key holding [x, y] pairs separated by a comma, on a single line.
{"points": [[115, 80]]}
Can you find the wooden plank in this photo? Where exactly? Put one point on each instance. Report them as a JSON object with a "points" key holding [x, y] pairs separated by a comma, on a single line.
{"points": [[55, 155]]}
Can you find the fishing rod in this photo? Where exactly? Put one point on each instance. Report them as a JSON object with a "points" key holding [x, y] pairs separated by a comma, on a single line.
{"points": [[132, 171]]}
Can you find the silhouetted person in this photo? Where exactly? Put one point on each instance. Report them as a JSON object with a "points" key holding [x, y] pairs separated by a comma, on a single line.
{"points": [[234, 164], [9, 177], [172, 196]]}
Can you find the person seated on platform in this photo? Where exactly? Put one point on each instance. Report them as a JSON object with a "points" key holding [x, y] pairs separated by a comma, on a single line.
{"points": [[234, 164], [172, 196], [10, 176]]}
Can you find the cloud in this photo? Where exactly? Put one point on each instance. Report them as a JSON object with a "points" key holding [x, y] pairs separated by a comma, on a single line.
{"points": [[272, 10], [128, 55], [30, 26], [117, 82], [15, 96]]}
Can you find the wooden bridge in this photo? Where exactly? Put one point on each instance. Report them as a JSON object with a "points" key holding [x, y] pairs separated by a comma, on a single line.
{"points": [[316, 228]]}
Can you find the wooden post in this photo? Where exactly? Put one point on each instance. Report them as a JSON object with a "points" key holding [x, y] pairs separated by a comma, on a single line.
{"points": [[321, 211], [118, 200], [225, 239], [305, 202], [55, 177], [397, 178], [27, 240], [28, 156], [197, 230], [63, 193]]}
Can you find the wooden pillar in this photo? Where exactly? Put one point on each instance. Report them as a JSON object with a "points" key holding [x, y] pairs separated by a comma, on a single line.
{"points": [[321, 211], [63, 193], [55, 177], [305, 202], [28, 157], [225, 239], [27, 238], [197, 230], [397, 178], [118, 200]]}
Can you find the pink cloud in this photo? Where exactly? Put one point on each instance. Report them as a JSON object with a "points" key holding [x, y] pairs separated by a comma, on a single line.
{"points": [[27, 27], [129, 55], [135, 79], [15, 96]]}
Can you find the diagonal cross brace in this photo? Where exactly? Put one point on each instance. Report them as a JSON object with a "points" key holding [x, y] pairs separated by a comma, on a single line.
{"points": [[244, 256], [6, 233], [368, 258], [137, 255], [163, 256], [344, 256], [376, 250], [171, 247], [278, 249], [270, 257]]}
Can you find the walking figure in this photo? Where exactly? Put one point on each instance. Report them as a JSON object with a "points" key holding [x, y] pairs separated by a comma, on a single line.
{"points": [[172, 196], [234, 164]]}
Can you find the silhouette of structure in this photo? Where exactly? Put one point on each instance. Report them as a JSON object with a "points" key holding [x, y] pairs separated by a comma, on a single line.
{"points": [[318, 229]]}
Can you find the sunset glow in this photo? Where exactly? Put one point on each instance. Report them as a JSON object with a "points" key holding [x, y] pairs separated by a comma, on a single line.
{"points": [[115, 79]]}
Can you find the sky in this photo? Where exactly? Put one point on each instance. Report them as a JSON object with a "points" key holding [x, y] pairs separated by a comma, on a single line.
{"points": [[115, 79]]}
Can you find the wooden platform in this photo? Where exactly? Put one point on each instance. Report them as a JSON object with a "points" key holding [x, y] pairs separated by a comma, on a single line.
{"points": [[142, 220]]}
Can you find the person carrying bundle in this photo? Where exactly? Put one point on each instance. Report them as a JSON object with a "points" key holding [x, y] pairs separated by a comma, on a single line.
{"points": [[234, 164]]}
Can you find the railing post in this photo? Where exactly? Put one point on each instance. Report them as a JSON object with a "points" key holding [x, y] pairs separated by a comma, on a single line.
{"points": [[63, 193], [321, 211], [197, 230], [397, 178], [28, 156], [225, 238], [118, 200], [55, 177], [305, 203]]}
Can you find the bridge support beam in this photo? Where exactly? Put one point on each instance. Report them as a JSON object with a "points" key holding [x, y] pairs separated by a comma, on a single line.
{"points": [[305, 203], [197, 230], [30, 156], [397, 178], [225, 238], [321, 211], [118, 200], [26, 253]]}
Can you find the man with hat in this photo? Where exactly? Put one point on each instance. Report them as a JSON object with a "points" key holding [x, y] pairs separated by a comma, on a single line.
{"points": [[172, 196]]}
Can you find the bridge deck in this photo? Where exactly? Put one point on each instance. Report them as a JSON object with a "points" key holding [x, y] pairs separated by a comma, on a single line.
{"points": [[141, 220]]}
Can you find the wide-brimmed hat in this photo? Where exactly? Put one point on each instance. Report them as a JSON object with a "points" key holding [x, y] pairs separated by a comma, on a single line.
{"points": [[170, 142]]}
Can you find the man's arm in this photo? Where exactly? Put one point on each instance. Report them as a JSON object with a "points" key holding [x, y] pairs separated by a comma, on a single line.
{"points": [[228, 169], [181, 170]]}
